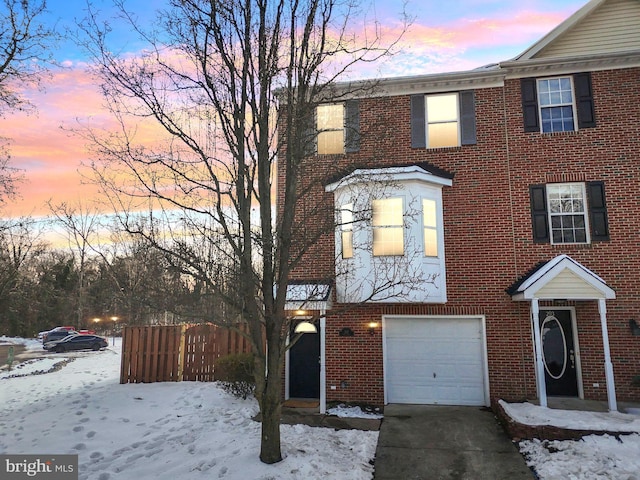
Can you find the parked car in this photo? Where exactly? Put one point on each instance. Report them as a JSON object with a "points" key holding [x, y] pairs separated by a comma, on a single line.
{"points": [[57, 333], [76, 342]]}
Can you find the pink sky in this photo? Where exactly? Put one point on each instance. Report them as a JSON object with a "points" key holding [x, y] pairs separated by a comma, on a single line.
{"points": [[51, 155]]}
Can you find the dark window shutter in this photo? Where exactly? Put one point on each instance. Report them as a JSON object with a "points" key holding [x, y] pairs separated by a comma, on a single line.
{"points": [[309, 134], [598, 212], [418, 127], [530, 105], [352, 126], [468, 117], [584, 100], [539, 218]]}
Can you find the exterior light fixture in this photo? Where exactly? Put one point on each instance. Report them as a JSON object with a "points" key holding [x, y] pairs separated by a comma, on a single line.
{"points": [[372, 327], [114, 319], [305, 327]]}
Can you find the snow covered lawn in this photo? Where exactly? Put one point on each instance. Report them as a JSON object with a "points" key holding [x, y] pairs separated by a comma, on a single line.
{"points": [[186, 430], [594, 457], [73, 403]]}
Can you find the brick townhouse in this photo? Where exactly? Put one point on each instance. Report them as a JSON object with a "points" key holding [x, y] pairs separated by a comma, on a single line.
{"points": [[485, 230]]}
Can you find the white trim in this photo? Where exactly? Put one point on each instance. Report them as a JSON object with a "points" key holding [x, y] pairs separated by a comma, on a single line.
{"points": [[608, 366], [287, 363], [323, 365], [485, 77], [583, 187], [574, 114], [576, 344], [391, 174], [529, 289], [540, 383], [428, 123], [485, 358]]}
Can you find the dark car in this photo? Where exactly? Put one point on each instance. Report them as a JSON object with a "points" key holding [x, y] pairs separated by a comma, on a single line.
{"points": [[77, 342], [57, 333]]}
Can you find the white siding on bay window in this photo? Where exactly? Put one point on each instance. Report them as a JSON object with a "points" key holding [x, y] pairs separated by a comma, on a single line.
{"points": [[417, 274]]}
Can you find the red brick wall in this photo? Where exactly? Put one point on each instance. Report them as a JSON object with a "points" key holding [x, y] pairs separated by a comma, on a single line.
{"points": [[488, 237]]}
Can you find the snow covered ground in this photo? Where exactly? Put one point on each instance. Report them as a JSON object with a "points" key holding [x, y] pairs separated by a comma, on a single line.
{"points": [[73, 403], [594, 457], [186, 430]]}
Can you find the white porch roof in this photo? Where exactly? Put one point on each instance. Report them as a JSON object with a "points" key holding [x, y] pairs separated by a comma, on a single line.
{"points": [[562, 278], [308, 296]]}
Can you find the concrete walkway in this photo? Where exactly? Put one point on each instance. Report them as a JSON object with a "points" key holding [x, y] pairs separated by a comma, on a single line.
{"points": [[420, 442]]}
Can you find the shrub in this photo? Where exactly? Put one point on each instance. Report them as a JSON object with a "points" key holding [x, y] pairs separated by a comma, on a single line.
{"points": [[235, 374]]}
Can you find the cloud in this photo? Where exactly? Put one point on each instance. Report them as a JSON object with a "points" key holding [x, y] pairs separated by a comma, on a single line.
{"points": [[468, 42], [46, 144], [51, 155]]}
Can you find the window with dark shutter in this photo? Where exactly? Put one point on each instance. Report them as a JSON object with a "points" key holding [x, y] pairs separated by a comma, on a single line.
{"points": [[530, 105], [468, 118], [598, 212], [352, 126], [539, 217], [309, 135], [418, 127], [584, 100]]}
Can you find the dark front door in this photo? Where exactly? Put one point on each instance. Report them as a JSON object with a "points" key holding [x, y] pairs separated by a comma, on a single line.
{"points": [[558, 353], [304, 367]]}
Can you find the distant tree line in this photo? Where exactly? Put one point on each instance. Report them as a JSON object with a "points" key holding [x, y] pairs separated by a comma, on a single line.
{"points": [[43, 286]]}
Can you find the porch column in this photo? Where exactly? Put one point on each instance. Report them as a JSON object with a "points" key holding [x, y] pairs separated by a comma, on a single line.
{"points": [[608, 366], [542, 386], [323, 369]]}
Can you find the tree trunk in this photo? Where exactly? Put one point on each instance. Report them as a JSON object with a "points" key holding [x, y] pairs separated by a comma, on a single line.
{"points": [[271, 409]]}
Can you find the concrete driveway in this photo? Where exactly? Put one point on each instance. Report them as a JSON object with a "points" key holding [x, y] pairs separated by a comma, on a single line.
{"points": [[422, 442]]}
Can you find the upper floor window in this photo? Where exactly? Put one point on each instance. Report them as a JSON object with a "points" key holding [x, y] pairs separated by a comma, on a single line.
{"points": [[567, 206], [346, 230], [564, 213], [557, 104], [555, 97], [430, 225], [443, 120], [338, 128], [330, 120], [388, 227]]}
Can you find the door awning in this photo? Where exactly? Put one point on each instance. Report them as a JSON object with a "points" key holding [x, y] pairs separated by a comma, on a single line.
{"points": [[308, 296], [561, 278]]}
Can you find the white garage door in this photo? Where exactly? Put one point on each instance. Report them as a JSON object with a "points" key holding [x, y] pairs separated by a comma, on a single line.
{"points": [[434, 360]]}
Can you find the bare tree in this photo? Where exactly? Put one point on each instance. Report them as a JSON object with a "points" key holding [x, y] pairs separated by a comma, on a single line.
{"points": [[222, 78], [25, 50], [20, 245], [80, 223]]}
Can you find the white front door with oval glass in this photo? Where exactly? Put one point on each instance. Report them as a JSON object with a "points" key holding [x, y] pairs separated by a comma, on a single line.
{"points": [[559, 353]]}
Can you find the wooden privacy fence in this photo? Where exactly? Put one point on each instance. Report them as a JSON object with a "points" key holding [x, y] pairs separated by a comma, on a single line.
{"points": [[176, 352]]}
